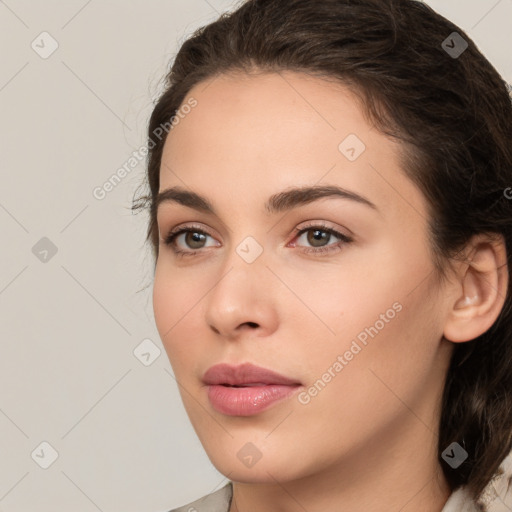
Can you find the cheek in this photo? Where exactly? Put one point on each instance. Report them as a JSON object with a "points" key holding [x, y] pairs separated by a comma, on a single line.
{"points": [[164, 302], [383, 321], [377, 384], [173, 301], [175, 293], [334, 303], [178, 306]]}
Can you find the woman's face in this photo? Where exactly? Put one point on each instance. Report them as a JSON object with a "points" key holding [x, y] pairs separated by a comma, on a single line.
{"points": [[357, 324]]}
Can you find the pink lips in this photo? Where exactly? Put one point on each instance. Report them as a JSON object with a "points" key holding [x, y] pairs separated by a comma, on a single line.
{"points": [[246, 389]]}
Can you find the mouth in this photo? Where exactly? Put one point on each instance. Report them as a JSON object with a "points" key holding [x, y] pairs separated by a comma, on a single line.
{"points": [[247, 389], [245, 385], [245, 375]]}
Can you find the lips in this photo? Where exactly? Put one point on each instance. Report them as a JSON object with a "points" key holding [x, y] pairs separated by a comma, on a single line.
{"points": [[246, 390], [245, 375]]}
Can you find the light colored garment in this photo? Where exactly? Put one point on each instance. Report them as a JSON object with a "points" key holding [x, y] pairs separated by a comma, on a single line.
{"points": [[219, 501], [497, 496]]}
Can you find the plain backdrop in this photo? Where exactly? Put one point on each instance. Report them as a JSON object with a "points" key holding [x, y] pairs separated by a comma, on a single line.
{"points": [[90, 414]]}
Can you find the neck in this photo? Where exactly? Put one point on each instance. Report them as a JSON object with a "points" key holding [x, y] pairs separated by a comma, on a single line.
{"points": [[397, 471]]}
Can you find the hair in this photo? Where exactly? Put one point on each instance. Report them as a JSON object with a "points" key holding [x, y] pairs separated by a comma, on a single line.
{"points": [[453, 118]]}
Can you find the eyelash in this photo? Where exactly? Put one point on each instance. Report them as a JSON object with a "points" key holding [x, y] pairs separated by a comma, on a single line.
{"points": [[171, 237]]}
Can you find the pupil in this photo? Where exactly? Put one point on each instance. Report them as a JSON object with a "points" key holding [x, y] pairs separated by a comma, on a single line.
{"points": [[323, 235], [196, 237]]}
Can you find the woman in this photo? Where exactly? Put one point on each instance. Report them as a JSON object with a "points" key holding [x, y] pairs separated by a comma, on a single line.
{"points": [[330, 216]]}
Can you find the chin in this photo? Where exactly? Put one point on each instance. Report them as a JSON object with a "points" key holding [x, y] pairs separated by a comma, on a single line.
{"points": [[255, 475], [242, 462]]}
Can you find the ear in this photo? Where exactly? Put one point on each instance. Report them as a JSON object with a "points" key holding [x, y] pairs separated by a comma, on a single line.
{"points": [[480, 289]]}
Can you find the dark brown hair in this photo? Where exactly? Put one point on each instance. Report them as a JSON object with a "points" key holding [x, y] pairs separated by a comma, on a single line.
{"points": [[453, 117]]}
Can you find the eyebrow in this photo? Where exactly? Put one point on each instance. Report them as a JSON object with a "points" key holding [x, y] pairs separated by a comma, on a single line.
{"points": [[277, 203]]}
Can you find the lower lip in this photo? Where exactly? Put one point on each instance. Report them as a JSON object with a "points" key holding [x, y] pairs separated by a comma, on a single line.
{"points": [[247, 401]]}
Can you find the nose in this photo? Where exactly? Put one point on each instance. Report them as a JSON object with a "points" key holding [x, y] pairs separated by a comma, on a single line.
{"points": [[242, 300]]}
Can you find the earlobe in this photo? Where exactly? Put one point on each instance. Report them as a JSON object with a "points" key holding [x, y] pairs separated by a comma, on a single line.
{"points": [[483, 279]]}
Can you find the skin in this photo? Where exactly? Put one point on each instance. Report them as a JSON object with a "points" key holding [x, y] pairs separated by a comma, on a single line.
{"points": [[368, 439]]}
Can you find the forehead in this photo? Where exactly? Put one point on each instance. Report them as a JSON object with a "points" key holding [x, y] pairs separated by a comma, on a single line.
{"points": [[265, 132], [266, 109]]}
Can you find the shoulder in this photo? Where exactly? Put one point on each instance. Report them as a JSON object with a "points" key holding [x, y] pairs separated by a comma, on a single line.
{"points": [[218, 501], [496, 497]]}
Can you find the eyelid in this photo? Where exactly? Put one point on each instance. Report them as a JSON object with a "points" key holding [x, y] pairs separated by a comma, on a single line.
{"points": [[192, 226], [297, 229], [183, 229], [325, 225]]}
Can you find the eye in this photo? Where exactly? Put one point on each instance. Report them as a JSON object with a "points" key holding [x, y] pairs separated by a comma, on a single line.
{"points": [[318, 234], [194, 238]]}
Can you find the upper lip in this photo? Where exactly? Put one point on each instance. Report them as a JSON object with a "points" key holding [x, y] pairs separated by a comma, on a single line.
{"points": [[244, 374]]}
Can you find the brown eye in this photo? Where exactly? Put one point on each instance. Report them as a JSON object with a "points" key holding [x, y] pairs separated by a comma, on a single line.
{"points": [[194, 240], [317, 235]]}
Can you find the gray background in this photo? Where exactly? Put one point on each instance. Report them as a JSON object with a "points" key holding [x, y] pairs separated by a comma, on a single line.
{"points": [[71, 321]]}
